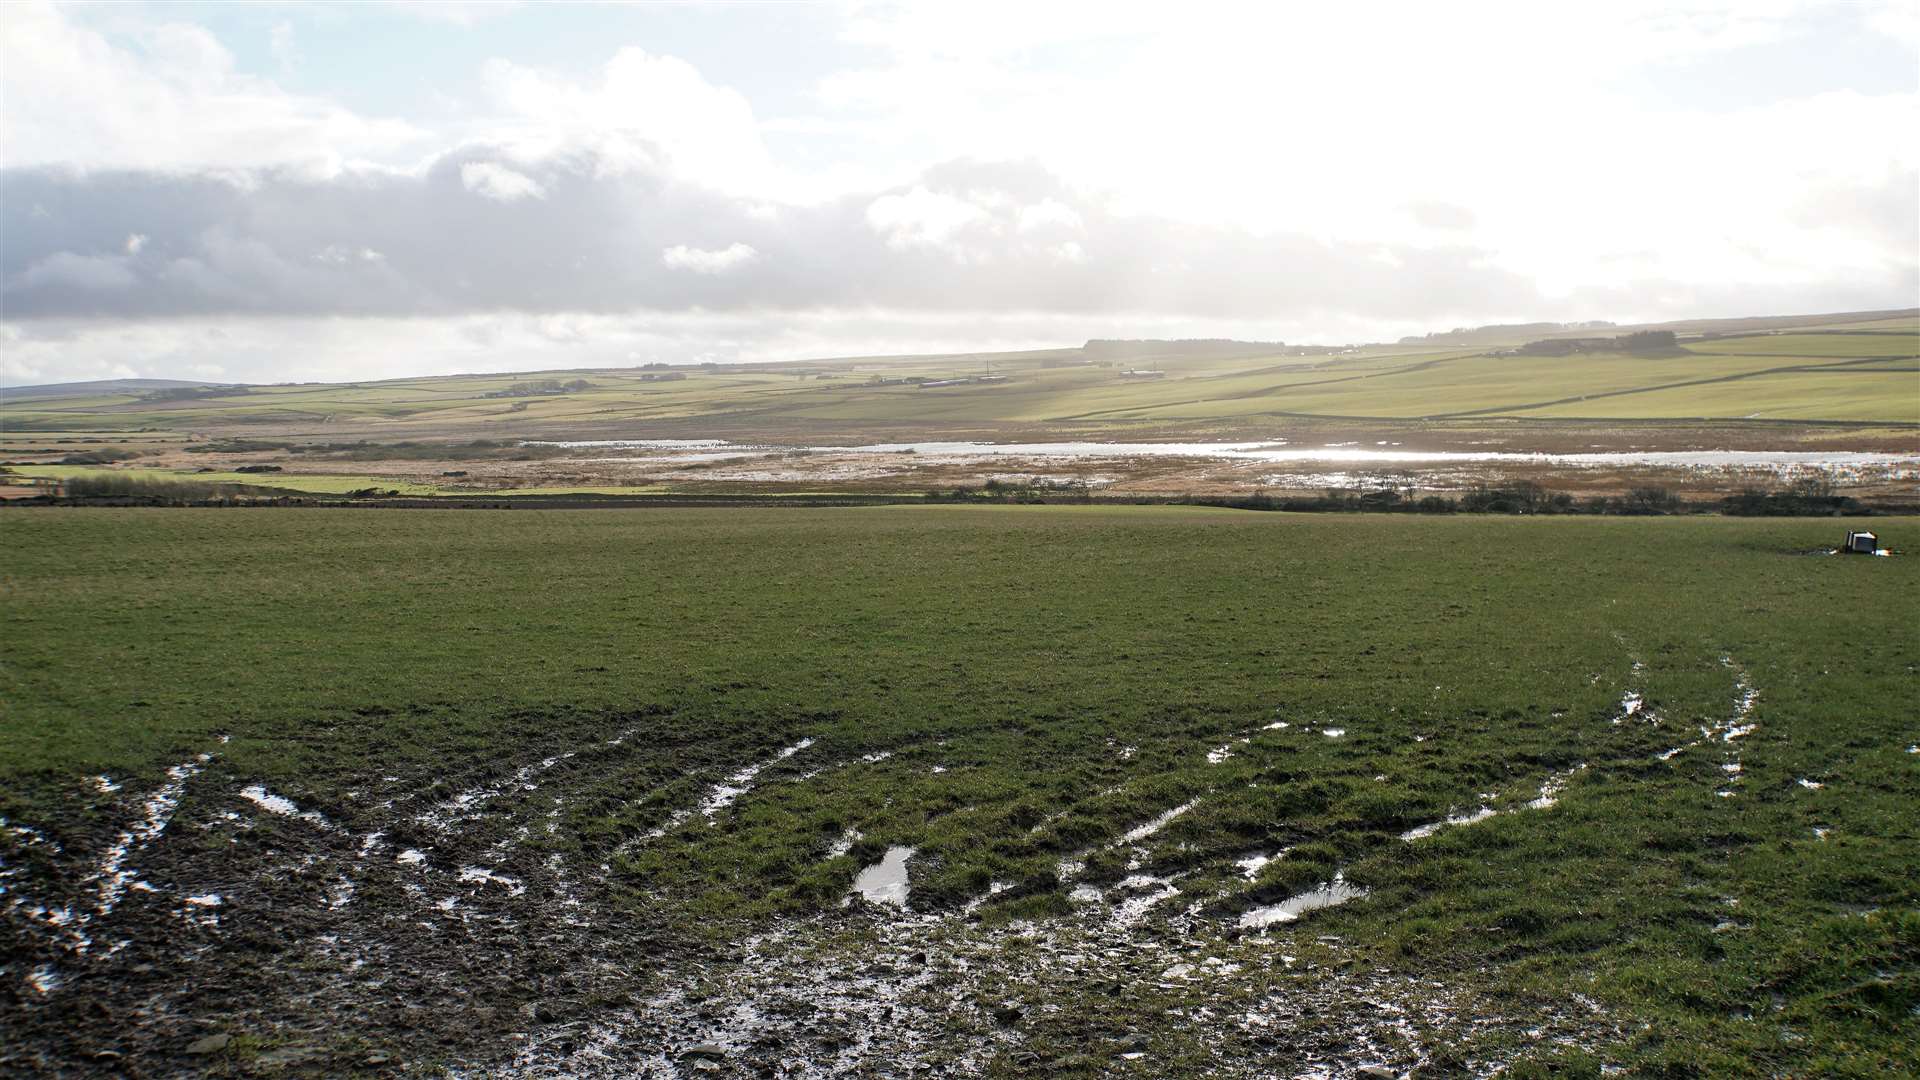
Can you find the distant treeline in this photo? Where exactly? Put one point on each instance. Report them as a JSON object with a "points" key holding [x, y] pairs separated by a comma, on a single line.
{"points": [[1469, 335], [1800, 500], [1640, 341], [1521, 499], [190, 393], [539, 387], [1807, 498], [145, 488]]}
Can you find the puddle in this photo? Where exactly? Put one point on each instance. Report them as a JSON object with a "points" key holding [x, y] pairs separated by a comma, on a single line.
{"points": [[1333, 892], [1135, 908], [1334, 732], [844, 844], [993, 889], [1550, 791], [1141, 832], [480, 875], [1251, 865], [885, 882], [1215, 757], [280, 805], [723, 794], [468, 805], [1421, 832], [156, 812], [1630, 705], [411, 857], [273, 804]]}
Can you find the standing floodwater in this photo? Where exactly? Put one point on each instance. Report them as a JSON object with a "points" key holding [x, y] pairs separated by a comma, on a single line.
{"points": [[1333, 892], [885, 882]]}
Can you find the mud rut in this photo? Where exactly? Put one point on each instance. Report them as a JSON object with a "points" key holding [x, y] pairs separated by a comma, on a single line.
{"points": [[418, 926]]}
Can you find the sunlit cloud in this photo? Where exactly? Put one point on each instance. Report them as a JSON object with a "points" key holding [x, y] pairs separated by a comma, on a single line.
{"points": [[1063, 166]]}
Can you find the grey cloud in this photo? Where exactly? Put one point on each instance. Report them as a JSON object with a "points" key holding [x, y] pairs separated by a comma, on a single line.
{"points": [[403, 245]]}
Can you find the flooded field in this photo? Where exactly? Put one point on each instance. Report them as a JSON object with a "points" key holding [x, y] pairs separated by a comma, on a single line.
{"points": [[1243, 467], [1346, 454]]}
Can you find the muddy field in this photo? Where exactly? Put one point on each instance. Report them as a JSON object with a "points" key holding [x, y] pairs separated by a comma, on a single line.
{"points": [[1299, 821]]}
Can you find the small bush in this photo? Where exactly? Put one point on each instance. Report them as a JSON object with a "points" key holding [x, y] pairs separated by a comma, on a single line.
{"points": [[131, 486], [1650, 500]]}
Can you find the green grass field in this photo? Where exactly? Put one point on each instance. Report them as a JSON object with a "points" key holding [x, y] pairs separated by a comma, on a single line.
{"points": [[1851, 375], [999, 689]]}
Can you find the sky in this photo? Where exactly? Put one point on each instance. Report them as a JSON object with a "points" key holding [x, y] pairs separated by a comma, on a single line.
{"points": [[280, 192]]}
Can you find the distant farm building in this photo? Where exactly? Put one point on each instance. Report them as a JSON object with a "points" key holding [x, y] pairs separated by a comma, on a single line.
{"points": [[1135, 373], [1861, 543]]}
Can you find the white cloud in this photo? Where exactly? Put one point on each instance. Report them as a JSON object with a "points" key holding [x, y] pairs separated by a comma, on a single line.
{"points": [[1049, 215], [1898, 19], [340, 255], [682, 257], [164, 96], [644, 109], [923, 219], [135, 241], [496, 181]]}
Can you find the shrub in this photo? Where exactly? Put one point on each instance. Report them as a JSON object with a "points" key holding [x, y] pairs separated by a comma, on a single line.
{"points": [[1650, 500], [131, 486]]}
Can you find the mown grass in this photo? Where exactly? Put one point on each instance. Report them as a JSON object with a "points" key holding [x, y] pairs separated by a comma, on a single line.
{"points": [[1021, 652]]}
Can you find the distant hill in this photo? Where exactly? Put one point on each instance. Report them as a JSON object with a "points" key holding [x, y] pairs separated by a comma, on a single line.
{"points": [[1775, 322], [1514, 333], [98, 386], [1499, 332], [1116, 348]]}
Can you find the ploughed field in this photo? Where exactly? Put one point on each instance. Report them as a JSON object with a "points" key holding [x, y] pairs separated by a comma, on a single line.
{"points": [[950, 791]]}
